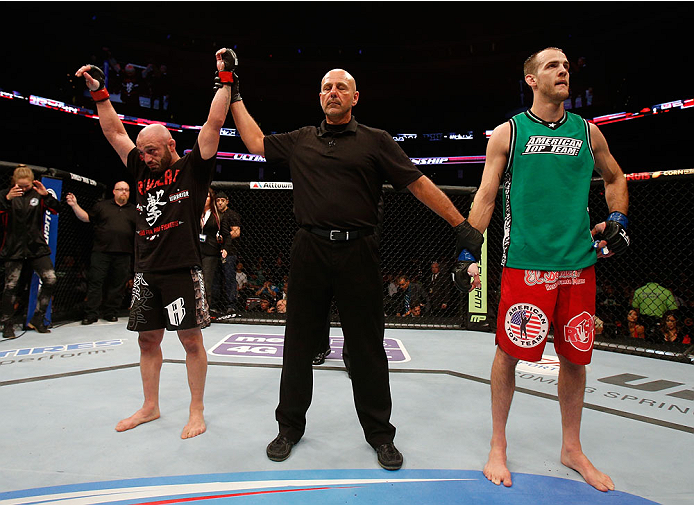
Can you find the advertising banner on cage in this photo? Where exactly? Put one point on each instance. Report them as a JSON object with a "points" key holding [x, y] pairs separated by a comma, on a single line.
{"points": [[50, 233], [477, 298]]}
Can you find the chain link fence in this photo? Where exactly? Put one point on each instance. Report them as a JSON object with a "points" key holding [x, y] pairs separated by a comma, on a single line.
{"points": [[654, 275], [413, 239]]}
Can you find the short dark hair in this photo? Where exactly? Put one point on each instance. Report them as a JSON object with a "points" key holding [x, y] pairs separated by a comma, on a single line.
{"points": [[530, 65], [222, 194]]}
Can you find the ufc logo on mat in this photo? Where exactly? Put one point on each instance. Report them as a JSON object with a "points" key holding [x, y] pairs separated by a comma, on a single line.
{"points": [[176, 311]]}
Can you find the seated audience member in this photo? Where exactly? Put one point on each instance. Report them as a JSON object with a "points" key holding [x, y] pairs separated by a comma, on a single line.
{"points": [[265, 305], [672, 331], [653, 300], [634, 326], [282, 306], [416, 310], [409, 293], [269, 290]]}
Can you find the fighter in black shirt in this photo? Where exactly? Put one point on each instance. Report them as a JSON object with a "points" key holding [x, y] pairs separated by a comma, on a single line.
{"points": [[168, 291], [338, 170]]}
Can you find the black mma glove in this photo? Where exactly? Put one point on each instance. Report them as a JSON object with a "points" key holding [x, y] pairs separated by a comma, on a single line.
{"points": [[235, 95], [468, 250], [228, 75], [615, 234], [101, 93]]}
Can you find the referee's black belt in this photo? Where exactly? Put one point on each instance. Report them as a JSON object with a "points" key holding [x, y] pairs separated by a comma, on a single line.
{"points": [[340, 234]]}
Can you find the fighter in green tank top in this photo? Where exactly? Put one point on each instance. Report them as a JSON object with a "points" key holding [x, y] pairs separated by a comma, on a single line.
{"points": [[545, 198]]}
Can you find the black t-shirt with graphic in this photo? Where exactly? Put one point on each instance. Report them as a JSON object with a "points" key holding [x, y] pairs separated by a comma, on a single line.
{"points": [[169, 206]]}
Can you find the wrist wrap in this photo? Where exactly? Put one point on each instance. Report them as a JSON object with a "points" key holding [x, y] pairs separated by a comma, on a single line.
{"points": [[100, 95]]}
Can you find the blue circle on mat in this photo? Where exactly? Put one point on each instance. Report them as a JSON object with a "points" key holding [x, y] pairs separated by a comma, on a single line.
{"points": [[307, 487]]}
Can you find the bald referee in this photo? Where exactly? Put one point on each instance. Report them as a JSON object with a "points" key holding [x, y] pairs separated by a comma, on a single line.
{"points": [[545, 158], [338, 170]]}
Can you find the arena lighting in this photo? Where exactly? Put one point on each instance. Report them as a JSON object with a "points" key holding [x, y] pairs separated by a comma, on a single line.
{"points": [[49, 103], [439, 160]]}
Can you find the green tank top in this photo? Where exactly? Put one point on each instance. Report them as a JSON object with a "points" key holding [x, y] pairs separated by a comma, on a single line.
{"points": [[545, 194]]}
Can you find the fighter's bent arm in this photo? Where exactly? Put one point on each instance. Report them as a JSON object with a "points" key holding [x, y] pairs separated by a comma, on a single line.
{"points": [[250, 132], [431, 196], [208, 139], [494, 166], [616, 192]]}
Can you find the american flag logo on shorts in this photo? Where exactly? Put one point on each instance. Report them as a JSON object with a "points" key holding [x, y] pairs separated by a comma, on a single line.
{"points": [[526, 325]]}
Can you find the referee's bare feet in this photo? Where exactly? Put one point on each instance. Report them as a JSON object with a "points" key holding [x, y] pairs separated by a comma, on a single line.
{"points": [[578, 461], [196, 425], [141, 416], [496, 470]]}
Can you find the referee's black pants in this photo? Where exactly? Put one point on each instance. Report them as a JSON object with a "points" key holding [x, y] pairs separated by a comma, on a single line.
{"points": [[321, 269]]}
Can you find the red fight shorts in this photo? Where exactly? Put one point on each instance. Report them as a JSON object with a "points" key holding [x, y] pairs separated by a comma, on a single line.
{"points": [[532, 300]]}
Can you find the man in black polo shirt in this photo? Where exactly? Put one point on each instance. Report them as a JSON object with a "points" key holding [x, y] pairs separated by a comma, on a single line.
{"points": [[338, 170], [112, 251]]}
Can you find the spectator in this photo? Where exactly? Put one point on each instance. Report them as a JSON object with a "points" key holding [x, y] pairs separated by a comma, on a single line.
{"points": [[581, 85], [210, 243], [243, 288], [268, 289], [412, 293], [22, 209], [112, 251], [439, 288], [634, 326], [610, 303], [130, 88], [416, 310], [671, 330], [653, 300], [231, 231], [265, 305], [282, 306]]}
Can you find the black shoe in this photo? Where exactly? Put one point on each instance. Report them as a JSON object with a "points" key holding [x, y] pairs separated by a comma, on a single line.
{"points": [[110, 319], [89, 320], [389, 457], [37, 324], [279, 449], [320, 357], [8, 331]]}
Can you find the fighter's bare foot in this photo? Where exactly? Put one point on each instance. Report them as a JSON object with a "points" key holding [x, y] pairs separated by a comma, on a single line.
{"points": [[578, 461], [496, 470], [140, 417], [196, 426]]}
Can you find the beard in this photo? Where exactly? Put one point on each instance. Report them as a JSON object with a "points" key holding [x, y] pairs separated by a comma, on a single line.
{"points": [[164, 163]]}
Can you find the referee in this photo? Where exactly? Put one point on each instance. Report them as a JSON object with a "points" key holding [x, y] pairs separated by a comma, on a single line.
{"points": [[338, 170]]}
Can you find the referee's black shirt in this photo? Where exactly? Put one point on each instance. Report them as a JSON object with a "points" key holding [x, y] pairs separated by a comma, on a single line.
{"points": [[338, 172]]}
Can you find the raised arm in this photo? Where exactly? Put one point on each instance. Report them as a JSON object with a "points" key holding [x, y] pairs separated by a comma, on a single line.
{"points": [[494, 166], [79, 211], [208, 139], [111, 125], [250, 132]]}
